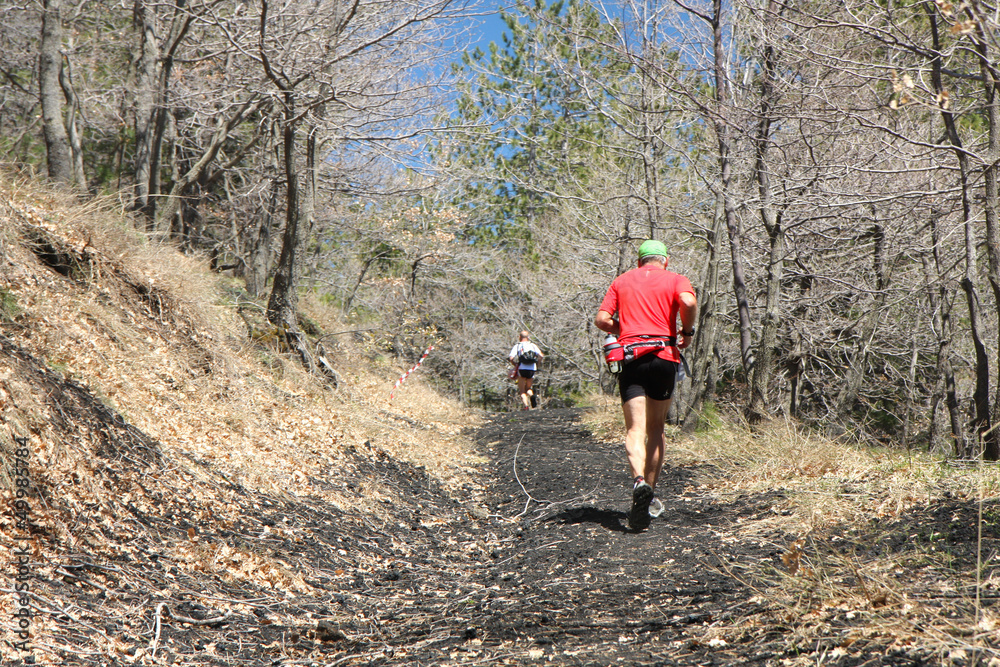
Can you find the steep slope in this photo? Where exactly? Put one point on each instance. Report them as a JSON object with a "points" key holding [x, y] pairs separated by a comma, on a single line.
{"points": [[161, 475]]}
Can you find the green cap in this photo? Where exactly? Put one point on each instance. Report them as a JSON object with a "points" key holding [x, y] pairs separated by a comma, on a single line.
{"points": [[649, 248]]}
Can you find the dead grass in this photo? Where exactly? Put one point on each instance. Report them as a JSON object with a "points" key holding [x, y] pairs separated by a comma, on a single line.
{"points": [[882, 543], [827, 481], [146, 329], [176, 361], [603, 417], [846, 505], [155, 337]]}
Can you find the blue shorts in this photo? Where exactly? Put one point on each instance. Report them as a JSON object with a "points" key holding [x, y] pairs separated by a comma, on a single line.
{"points": [[648, 376]]}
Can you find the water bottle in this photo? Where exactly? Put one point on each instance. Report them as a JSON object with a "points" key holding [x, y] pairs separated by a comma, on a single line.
{"points": [[614, 354]]}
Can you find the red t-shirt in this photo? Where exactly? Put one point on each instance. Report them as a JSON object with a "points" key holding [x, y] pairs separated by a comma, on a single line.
{"points": [[647, 300]]}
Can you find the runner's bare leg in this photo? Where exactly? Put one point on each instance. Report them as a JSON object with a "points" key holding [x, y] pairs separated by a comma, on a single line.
{"points": [[523, 384], [644, 422]]}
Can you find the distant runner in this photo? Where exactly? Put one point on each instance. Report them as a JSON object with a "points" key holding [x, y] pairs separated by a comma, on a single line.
{"points": [[641, 308], [525, 356]]}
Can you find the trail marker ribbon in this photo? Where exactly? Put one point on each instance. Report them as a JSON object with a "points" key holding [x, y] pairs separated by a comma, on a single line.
{"points": [[407, 373]]}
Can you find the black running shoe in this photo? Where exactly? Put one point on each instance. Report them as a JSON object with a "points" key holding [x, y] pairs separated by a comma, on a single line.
{"points": [[638, 516]]}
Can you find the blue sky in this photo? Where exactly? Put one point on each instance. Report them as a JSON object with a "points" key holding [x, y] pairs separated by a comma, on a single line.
{"points": [[488, 28]]}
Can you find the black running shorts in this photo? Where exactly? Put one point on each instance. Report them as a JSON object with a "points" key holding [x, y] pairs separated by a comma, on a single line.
{"points": [[525, 373], [648, 376]]}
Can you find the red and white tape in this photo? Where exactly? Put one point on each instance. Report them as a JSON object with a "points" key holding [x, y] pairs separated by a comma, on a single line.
{"points": [[407, 373]]}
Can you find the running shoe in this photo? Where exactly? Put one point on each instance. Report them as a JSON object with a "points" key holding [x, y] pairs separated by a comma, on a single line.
{"points": [[655, 507], [638, 516]]}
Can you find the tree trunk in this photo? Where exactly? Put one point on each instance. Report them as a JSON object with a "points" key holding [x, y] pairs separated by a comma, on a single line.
{"points": [[153, 71], [981, 397], [144, 19], [981, 394], [282, 306], [703, 368], [941, 321], [57, 146], [282, 303], [942, 312], [795, 363], [651, 153], [757, 410], [722, 133], [622, 259], [72, 127], [257, 244], [991, 203]]}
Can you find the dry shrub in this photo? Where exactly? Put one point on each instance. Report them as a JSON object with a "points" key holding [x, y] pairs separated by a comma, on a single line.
{"points": [[603, 417], [862, 554]]}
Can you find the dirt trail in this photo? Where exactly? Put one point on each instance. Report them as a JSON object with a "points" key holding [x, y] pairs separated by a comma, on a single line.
{"points": [[585, 590], [530, 564]]}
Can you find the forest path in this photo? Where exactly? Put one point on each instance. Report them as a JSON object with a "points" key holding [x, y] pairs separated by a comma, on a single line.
{"points": [[583, 589], [527, 563]]}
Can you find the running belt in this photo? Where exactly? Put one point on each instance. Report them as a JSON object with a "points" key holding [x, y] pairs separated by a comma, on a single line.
{"points": [[648, 344]]}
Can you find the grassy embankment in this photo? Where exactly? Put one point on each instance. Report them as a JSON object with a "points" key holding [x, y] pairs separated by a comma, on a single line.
{"points": [[153, 422]]}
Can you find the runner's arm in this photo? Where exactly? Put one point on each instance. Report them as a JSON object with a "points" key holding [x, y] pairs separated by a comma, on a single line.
{"points": [[689, 314], [605, 321]]}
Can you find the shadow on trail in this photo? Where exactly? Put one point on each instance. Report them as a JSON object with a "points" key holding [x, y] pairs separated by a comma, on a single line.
{"points": [[614, 521]]}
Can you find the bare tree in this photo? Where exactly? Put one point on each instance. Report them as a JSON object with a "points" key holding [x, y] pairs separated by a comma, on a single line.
{"points": [[50, 61], [153, 61], [935, 70], [334, 67]]}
